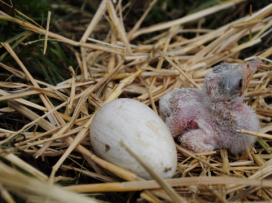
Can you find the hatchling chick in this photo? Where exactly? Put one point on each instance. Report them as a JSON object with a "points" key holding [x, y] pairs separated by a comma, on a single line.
{"points": [[206, 119]]}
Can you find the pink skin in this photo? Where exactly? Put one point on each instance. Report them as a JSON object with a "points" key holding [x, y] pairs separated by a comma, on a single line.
{"points": [[207, 119]]}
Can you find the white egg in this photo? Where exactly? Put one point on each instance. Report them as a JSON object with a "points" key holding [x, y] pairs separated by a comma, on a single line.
{"points": [[142, 129]]}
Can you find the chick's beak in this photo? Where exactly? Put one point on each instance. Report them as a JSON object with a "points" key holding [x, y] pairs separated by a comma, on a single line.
{"points": [[251, 67]]}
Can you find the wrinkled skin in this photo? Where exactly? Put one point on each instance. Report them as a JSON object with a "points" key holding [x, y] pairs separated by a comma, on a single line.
{"points": [[206, 119]]}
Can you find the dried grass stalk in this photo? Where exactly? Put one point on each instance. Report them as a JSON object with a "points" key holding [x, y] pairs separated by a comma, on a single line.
{"points": [[17, 182]]}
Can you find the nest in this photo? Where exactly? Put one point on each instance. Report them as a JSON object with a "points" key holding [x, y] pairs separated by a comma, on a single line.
{"points": [[115, 67]]}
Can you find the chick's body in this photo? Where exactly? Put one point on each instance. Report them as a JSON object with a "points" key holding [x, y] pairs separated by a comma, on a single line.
{"points": [[208, 118]]}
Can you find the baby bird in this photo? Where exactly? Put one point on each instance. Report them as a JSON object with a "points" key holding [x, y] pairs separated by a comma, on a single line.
{"points": [[206, 119]]}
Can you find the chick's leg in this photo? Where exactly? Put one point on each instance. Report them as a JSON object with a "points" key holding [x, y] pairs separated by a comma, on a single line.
{"points": [[176, 125], [197, 141]]}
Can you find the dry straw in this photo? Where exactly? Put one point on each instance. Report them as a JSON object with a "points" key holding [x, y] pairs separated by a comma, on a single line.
{"points": [[119, 67]]}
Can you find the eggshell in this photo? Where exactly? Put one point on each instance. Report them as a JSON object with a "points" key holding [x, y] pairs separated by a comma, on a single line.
{"points": [[142, 129]]}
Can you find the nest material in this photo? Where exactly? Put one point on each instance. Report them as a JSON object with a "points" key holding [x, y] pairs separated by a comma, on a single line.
{"points": [[115, 67]]}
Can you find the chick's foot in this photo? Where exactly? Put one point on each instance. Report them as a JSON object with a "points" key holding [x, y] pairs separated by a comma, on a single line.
{"points": [[197, 141]]}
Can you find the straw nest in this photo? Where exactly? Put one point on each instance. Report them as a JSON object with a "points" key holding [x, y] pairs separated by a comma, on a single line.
{"points": [[119, 66]]}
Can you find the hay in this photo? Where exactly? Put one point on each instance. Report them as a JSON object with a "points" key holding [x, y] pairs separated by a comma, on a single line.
{"points": [[119, 67]]}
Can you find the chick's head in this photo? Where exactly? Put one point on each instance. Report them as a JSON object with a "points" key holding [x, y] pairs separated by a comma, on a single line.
{"points": [[228, 82]]}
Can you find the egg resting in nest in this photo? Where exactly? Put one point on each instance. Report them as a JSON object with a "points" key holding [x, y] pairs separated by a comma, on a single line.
{"points": [[206, 119]]}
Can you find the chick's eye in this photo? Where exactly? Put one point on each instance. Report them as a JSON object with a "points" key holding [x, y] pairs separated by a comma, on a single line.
{"points": [[234, 83], [240, 84]]}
